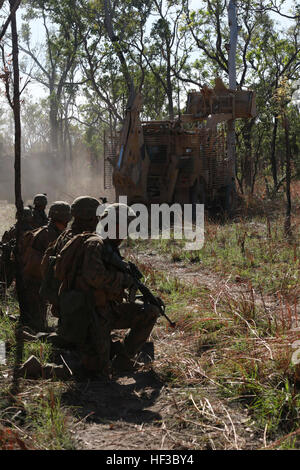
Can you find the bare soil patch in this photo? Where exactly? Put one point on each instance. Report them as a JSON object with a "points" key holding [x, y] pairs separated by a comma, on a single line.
{"points": [[139, 413]]}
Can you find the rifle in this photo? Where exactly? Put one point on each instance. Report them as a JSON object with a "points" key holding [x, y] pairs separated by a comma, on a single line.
{"points": [[131, 269], [6, 249], [7, 264]]}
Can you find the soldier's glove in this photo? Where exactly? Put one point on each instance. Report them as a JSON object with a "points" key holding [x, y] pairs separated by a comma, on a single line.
{"points": [[128, 281]]}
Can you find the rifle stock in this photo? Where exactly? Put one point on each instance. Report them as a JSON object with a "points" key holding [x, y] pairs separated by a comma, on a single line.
{"points": [[131, 268]]}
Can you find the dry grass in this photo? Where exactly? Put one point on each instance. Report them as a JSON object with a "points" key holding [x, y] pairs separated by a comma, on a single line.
{"points": [[234, 348], [229, 382]]}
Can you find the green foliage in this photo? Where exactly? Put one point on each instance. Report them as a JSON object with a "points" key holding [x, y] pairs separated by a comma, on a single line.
{"points": [[48, 422], [167, 48]]}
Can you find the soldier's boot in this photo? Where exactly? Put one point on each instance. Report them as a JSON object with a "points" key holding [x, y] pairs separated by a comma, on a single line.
{"points": [[146, 354], [34, 317], [116, 347], [56, 340], [123, 361], [34, 326], [93, 367]]}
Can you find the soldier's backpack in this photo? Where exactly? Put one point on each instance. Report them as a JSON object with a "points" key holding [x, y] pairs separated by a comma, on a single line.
{"points": [[75, 307], [49, 285], [31, 258], [70, 258], [59, 267]]}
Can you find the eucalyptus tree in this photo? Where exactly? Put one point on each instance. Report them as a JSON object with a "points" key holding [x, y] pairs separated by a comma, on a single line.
{"points": [[161, 50], [55, 60], [145, 42], [13, 92], [264, 55]]}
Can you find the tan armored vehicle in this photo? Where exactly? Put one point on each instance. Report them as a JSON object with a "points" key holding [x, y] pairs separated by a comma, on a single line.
{"points": [[185, 160]]}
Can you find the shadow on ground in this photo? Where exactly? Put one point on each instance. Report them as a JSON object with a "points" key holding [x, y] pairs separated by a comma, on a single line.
{"points": [[127, 399]]}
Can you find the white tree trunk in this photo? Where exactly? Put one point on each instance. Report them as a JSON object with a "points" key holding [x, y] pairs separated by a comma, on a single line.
{"points": [[232, 76]]}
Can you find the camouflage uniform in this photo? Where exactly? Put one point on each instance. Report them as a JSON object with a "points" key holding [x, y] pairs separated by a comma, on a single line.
{"points": [[83, 211], [7, 264], [39, 216], [26, 224], [107, 286], [36, 307], [102, 308]]}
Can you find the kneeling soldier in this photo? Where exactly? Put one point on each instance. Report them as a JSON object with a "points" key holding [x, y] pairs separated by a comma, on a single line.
{"points": [[35, 244], [7, 245], [92, 294]]}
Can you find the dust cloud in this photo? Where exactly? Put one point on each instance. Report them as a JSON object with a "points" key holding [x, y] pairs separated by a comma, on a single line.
{"points": [[60, 181]]}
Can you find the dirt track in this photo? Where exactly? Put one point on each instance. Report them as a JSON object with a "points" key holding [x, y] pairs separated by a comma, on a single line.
{"points": [[139, 411]]}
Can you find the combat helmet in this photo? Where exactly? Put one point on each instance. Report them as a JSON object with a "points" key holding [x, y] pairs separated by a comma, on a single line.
{"points": [[40, 200], [84, 207], [118, 216], [60, 211], [27, 213], [117, 208]]}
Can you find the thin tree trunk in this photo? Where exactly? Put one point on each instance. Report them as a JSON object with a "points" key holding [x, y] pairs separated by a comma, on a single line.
{"points": [[13, 10], [287, 222], [248, 164], [256, 163], [54, 126], [18, 193], [17, 121], [16, 111], [232, 20], [170, 94], [273, 152], [69, 146]]}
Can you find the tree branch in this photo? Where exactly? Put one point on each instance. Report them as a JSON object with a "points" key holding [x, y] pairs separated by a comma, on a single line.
{"points": [[12, 13]]}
